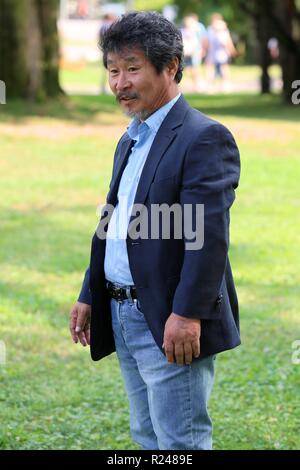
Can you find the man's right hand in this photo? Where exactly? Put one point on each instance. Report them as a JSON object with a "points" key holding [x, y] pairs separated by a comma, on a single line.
{"points": [[80, 319]]}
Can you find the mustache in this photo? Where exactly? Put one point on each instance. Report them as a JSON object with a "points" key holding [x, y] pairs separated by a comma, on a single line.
{"points": [[120, 96]]}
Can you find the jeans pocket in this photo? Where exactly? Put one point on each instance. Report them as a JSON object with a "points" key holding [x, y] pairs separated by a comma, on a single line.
{"points": [[138, 306]]}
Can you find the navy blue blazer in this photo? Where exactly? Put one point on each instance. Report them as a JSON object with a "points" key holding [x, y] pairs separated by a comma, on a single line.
{"points": [[193, 159]]}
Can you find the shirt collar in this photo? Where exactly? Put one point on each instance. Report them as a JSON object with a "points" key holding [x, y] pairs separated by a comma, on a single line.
{"points": [[153, 122]]}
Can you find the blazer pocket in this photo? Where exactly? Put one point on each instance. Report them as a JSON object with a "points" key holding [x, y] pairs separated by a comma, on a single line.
{"points": [[164, 179], [163, 191]]}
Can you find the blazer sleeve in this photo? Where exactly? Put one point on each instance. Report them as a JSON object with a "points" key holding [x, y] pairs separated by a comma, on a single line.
{"points": [[85, 294], [210, 176]]}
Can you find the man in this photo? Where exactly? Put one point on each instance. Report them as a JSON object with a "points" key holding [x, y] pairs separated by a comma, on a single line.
{"points": [[164, 306]]}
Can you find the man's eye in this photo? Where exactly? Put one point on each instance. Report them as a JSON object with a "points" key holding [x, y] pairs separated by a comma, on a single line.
{"points": [[113, 72], [132, 69]]}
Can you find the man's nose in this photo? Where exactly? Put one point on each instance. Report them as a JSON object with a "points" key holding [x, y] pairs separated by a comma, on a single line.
{"points": [[122, 82]]}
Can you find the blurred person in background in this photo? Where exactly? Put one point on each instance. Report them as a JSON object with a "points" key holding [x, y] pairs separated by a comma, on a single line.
{"points": [[193, 36], [202, 45], [220, 50], [273, 46], [82, 9]]}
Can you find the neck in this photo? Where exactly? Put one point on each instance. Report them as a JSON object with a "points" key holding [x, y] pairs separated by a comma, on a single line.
{"points": [[171, 94]]}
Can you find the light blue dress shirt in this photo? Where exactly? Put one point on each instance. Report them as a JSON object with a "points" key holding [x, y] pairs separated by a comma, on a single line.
{"points": [[116, 264]]}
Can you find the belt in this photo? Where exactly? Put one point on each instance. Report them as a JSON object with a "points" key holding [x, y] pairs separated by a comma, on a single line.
{"points": [[121, 293]]}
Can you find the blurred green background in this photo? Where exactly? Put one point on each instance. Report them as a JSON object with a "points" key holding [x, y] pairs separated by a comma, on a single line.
{"points": [[55, 160]]}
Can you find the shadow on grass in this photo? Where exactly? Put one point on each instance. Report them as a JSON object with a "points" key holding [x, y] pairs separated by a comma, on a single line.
{"points": [[85, 108], [251, 106], [80, 109]]}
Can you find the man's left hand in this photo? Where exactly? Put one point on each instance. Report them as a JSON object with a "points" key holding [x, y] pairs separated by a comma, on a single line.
{"points": [[182, 338]]}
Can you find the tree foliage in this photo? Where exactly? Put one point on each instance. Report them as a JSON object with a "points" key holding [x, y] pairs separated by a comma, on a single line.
{"points": [[154, 5]]}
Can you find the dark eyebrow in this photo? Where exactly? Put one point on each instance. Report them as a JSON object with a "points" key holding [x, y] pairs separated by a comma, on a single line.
{"points": [[130, 59]]}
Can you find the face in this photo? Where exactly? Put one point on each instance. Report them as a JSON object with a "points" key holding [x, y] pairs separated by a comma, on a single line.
{"points": [[138, 87]]}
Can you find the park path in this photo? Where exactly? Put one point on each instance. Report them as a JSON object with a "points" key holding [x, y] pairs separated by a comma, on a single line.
{"points": [[237, 86]]}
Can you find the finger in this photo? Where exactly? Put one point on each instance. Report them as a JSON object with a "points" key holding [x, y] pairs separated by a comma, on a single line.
{"points": [[196, 348], [74, 337], [82, 338], [73, 334], [188, 353], [73, 319], [80, 322], [179, 353], [169, 351], [87, 333]]}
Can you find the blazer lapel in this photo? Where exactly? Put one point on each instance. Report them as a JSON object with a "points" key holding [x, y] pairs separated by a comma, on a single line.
{"points": [[158, 148], [163, 139], [122, 159]]}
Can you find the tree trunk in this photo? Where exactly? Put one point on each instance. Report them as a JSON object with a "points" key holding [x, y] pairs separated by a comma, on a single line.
{"points": [[13, 69], [262, 26], [289, 45], [29, 48], [48, 12], [33, 52]]}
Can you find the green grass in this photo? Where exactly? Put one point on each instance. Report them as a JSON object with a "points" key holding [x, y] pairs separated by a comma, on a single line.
{"points": [[55, 162], [85, 74]]}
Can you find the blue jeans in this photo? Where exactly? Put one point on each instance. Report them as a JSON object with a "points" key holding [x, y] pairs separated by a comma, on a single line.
{"points": [[167, 402]]}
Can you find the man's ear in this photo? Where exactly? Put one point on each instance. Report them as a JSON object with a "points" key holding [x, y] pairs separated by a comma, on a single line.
{"points": [[173, 67]]}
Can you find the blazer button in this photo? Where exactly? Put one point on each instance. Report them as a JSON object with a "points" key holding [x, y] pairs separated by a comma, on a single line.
{"points": [[220, 299]]}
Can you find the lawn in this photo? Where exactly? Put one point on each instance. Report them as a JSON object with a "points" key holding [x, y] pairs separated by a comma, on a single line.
{"points": [[55, 162]]}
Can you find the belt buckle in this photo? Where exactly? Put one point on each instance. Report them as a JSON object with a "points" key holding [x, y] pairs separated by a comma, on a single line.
{"points": [[118, 291]]}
